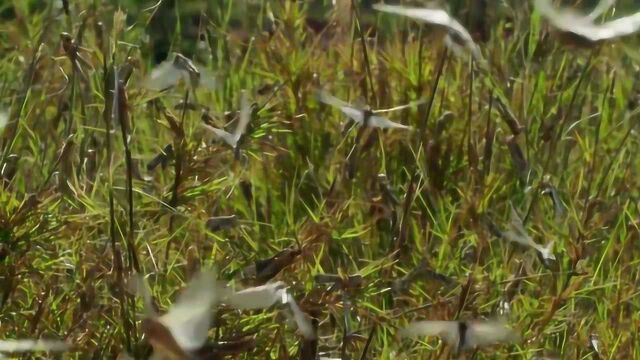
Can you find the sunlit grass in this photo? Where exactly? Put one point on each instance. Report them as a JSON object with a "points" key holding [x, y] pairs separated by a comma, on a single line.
{"points": [[305, 178]]}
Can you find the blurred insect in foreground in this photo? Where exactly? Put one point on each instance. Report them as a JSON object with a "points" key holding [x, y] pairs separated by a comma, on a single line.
{"points": [[457, 38], [265, 296], [183, 330], [463, 335], [32, 345], [179, 68], [233, 139], [365, 117], [580, 30]]}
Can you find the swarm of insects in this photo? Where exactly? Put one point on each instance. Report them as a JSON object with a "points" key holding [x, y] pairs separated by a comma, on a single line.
{"points": [[172, 185]]}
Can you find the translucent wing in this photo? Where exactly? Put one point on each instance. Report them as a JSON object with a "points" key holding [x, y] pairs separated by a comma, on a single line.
{"points": [[225, 136], [583, 26], [329, 99], [384, 123], [455, 48], [435, 17], [431, 16], [4, 119], [165, 75], [518, 234], [401, 107], [620, 27], [31, 345], [189, 318], [517, 238], [460, 50], [447, 330], [208, 80], [561, 18], [138, 286], [564, 19], [546, 251], [303, 322], [515, 223], [259, 297], [483, 333], [245, 117], [353, 113]]}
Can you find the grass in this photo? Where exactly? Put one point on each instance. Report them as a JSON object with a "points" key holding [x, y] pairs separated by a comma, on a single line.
{"points": [[76, 219]]}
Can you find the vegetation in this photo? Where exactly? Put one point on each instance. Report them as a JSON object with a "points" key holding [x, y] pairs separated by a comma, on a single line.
{"points": [[413, 222]]}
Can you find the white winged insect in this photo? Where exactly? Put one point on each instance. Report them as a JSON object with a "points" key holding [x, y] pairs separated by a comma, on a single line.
{"points": [[457, 34], [179, 68], [184, 328], [32, 345], [582, 29], [232, 139], [364, 117], [518, 234], [265, 296], [463, 335], [259, 297]]}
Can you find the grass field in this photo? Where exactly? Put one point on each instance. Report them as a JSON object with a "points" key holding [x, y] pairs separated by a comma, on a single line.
{"points": [[545, 128]]}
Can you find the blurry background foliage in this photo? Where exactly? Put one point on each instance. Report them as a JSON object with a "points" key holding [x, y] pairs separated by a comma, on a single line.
{"points": [[166, 26]]}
